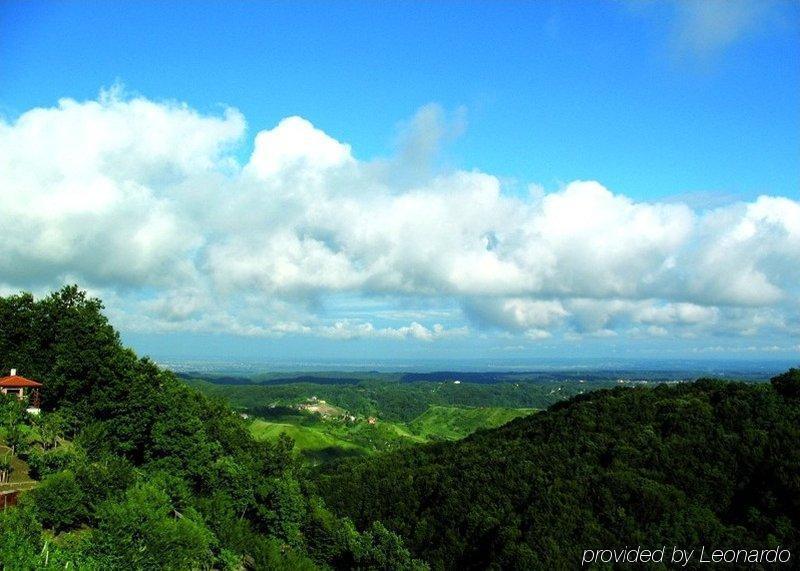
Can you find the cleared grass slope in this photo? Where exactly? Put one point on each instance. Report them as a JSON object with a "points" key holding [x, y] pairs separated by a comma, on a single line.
{"points": [[305, 437], [453, 423]]}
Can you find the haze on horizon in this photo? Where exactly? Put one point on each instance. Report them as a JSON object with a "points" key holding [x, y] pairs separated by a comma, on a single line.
{"points": [[243, 180]]}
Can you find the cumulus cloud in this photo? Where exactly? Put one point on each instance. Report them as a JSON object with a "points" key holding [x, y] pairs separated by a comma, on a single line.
{"points": [[147, 203], [295, 145], [88, 189]]}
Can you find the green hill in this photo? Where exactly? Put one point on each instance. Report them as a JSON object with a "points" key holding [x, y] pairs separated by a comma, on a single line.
{"points": [[707, 463], [310, 441], [452, 423], [319, 439]]}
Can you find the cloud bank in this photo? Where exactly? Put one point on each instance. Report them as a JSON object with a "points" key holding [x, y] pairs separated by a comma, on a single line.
{"points": [[150, 205]]}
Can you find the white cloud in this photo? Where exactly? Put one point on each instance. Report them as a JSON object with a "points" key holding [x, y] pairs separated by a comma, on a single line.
{"points": [[147, 203], [537, 334], [706, 27], [350, 330], [295, 145], [517, 314], [88, 189]]}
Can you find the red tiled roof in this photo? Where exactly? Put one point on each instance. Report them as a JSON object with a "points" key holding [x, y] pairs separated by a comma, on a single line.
{"points": [[17, 381]]}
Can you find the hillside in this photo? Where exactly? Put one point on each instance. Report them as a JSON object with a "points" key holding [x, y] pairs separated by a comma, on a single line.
{"points": [[452, 423], [313, 443], [128, 468], [708, 463], [321, 438]]}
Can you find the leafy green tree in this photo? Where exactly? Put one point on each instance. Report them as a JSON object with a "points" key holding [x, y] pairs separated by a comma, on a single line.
{"points": [[281, 508], [6, 468], [237, 481], [42, 463], [12, 411], [59, 501], [385, 550], [51, 426], [144, 531], [103, 479], [138, 470], [708, 462], [330, 539], [16, 439]]}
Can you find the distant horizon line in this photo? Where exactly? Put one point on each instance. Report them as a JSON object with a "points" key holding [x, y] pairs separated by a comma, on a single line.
{"points": [[478, 365]]}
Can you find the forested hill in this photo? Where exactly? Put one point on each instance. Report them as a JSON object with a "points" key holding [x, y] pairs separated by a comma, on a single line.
{"points": [[127, 468], [708, 463]]}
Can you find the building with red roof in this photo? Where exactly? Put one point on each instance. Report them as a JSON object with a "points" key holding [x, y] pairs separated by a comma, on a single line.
{"points": [[21, 387]]}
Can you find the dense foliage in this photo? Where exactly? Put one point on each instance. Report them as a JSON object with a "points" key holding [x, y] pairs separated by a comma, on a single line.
{"points": [[138, 471], [707, 463]]}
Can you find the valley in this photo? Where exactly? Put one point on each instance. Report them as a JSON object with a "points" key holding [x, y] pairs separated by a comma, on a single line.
{"points": [[319, 438]]}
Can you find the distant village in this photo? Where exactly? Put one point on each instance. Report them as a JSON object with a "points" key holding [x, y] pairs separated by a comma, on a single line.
{"points": [[318, 406]]}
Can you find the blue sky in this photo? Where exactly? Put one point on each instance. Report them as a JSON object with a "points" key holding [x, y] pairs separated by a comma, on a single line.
{"points": [[691, 104]]}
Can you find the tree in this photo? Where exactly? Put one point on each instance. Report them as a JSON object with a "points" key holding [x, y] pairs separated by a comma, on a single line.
{"points": [[280, 509], [12, 411], [59, 501], [385, 550], [5, 468], [143, 531], [140, 471], [103, 479], [51, 427], [16, 439], [788, 383], [712, 461], [42, 463]]}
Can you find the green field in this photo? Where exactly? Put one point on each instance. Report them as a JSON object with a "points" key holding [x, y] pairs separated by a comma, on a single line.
{"points": [[321, 439]]}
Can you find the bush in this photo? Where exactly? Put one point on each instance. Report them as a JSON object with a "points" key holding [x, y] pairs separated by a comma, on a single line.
{"points": [[59, 501], [43, 463], [20, 538], [143, 531]]}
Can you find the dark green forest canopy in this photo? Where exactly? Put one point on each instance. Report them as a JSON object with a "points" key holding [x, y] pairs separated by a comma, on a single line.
{"points": [[705, 463]]}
